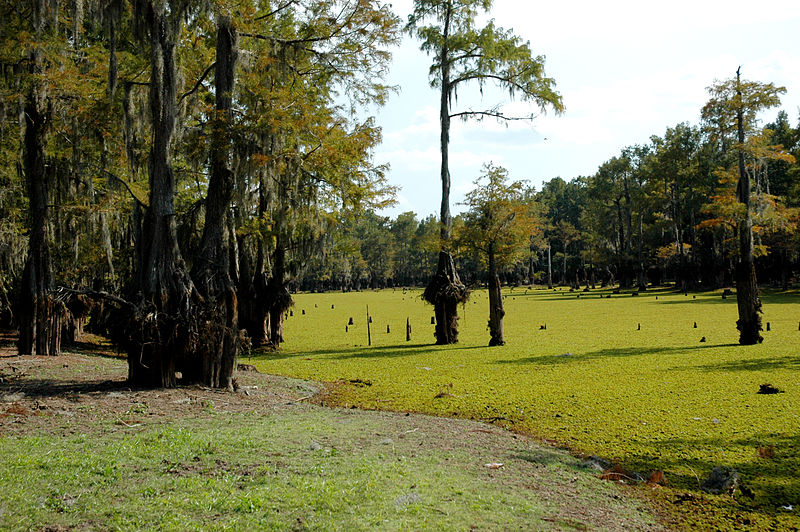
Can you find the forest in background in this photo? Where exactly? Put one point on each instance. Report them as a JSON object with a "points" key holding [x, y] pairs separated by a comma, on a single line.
{"points": [[171, 171], [656, 213]]}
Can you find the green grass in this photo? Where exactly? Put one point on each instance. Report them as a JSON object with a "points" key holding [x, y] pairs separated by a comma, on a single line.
{"points": [[655, 398], [310, 468]]}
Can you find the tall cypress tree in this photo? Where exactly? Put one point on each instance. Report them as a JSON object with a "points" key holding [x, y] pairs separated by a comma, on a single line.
{"points": [[463, 54], [736, 103]]}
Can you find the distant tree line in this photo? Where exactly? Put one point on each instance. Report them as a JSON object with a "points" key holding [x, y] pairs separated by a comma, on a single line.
{"points": [[657, 213]]}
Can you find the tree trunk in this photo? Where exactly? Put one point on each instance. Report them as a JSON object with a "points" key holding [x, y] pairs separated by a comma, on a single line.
{"points": [[620, 225], [219, 344], [445, 291], [444, 118], [40, 316], [549, 268], [640, 255], [628, 215], [747, 297], [166, 288], [785, 271], [496, 311], [278, 297], [252, 294], [531, 272], [677, 218]]}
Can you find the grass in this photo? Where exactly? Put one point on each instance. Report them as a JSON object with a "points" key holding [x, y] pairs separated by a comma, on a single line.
{"points": [[651, 399], [104, 457]]}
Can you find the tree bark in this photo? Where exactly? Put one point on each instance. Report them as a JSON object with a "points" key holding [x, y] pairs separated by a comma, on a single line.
{"points": [[628, 214], [252, 290], [211, 273], [445, 292], [40, 316], [496, 312], [166, 288], [747, 296], [278, 297], [444, 118]]}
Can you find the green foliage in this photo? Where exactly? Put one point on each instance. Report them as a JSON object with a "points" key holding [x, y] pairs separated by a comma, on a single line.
{"points": [[498, 221], [305, 69], [488, 55], [730, 95]]}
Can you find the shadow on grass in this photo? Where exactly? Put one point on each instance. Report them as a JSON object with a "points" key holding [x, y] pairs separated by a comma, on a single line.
{"points": [[606, 353], [704, 300], [772, 473], [347, 353], [566, 295], [767, 298], [92, 349], [759, 364]]}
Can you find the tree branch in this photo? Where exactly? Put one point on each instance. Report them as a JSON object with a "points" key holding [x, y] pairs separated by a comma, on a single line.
{"points": [[95, 294], [276, 10], [127, 186], [492, 114], [199, 81]]}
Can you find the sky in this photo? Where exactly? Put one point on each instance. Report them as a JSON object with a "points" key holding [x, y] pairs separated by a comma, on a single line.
{"points": [[626, 70]]}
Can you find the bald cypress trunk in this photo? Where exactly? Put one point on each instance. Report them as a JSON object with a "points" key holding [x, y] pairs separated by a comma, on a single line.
{"points": [[747, 296], [445, 291], [166, 288], [252, 290], [40, 316], [212, 275], [253, 306], [496, 311], [278, 297]]}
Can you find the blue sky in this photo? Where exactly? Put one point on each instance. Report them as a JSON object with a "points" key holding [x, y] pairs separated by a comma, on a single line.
{"points": [[625, 69]]}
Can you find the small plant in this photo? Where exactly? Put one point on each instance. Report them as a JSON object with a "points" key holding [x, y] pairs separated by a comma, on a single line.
{"points": [[137, 408]]}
